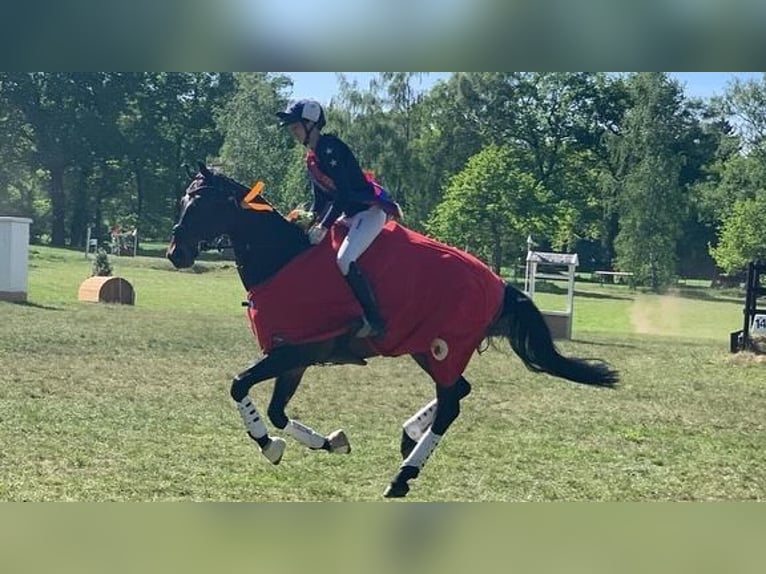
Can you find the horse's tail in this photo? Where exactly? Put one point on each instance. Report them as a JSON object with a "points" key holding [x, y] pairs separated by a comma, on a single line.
{"points": [[531, 340]]}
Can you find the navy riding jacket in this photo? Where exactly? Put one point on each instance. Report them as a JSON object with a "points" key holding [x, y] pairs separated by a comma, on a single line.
{"points": [[339, 185]]}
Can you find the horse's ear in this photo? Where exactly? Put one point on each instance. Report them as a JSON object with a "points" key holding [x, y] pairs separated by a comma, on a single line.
{"points": [[203, 169]]}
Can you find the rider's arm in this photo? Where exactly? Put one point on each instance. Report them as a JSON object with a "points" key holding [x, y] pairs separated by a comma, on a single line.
{"points": [[321, 203], [338, 161]]}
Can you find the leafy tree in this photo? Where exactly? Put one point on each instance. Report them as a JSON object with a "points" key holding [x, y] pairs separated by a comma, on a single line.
{"points": [[168, 120], [735, 199], [18, 182], [254, 147], [557, 122], [745, 102], [652, 204], [447, 136], [60, 109], [490, 207], [742, 234]]}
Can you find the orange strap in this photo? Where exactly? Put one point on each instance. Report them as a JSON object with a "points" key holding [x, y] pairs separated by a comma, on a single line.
{"points": [[248, 202]]}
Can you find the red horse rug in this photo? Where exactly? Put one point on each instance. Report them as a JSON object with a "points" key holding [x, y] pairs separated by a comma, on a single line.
{"points": [[435, 300]]}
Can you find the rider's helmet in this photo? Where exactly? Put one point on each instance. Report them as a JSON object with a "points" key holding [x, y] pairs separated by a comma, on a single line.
{"points": [[302, 110]]}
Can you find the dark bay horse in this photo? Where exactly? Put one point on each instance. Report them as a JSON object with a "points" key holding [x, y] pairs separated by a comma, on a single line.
{"points": [[267, 246]]}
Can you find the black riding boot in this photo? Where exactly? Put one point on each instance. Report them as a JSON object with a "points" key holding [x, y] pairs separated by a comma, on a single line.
{"points": [[373, 326]]}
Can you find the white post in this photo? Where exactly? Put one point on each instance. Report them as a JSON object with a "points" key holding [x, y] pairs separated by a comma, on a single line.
{"points": [[14, 254], [530, 244], [87, 243], [570, 293], [532, 274]]}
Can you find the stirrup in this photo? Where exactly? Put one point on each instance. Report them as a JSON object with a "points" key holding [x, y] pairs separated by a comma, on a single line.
{"points": [[368, 330]]}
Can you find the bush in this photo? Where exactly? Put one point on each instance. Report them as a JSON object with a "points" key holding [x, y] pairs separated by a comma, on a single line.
{"points": [[101, 265]]}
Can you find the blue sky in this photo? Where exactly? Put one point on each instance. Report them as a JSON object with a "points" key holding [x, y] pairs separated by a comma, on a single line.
{"points": [[323, 85]]}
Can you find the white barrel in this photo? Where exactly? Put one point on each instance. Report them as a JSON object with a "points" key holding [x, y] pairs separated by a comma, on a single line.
{"points": [[14, 258]]}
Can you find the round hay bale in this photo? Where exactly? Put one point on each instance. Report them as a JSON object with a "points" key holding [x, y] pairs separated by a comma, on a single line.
{"points": [[99, 289]]}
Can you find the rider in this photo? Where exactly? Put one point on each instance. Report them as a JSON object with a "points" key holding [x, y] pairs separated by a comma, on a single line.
{"points": [[341, 188]]}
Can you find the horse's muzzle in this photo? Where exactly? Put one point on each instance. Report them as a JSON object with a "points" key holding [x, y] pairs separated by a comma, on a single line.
{"points": [[179, 253], [179, 257]]}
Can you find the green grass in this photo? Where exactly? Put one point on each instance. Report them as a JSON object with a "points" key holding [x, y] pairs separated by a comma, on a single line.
{"points": [[103, 402]]}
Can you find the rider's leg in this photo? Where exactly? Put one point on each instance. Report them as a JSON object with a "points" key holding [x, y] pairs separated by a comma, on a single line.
{"points": [[364, 227]]}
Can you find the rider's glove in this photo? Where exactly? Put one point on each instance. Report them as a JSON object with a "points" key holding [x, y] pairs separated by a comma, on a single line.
{"points": [[316, 234]]}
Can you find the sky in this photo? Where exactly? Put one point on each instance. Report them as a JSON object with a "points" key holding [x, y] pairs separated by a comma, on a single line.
{"points": [[323, 85]]}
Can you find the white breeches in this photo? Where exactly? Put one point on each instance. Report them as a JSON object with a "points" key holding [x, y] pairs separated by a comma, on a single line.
{"points": [[363, 228]]}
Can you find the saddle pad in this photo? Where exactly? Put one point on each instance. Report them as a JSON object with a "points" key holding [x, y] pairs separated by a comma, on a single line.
{"points": [[435, 300]]}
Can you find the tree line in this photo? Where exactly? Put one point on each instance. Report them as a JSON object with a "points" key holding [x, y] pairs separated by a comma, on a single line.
{"points": [[621, 168]]}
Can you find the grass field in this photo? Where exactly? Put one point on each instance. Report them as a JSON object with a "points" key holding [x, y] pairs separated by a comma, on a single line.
{"points": [[102, 402]]}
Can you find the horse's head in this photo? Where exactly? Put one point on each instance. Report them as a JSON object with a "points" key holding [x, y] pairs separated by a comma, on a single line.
{"points": [[208, 210]]}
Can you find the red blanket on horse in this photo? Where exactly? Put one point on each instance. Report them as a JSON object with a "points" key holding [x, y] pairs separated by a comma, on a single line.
{"points": [[435, 300]]}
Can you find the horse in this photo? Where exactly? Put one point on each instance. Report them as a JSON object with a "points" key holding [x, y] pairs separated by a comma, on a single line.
{"points": [[273, 259]]}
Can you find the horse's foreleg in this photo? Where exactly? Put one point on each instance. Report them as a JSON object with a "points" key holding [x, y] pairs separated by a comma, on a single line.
{"points": [[447, 410], [284, 389], [267, 367]]}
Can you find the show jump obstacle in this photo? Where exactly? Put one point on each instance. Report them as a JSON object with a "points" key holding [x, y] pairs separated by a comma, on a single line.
{"points": [[14, 254], [99, 289], [541, 265], [754, 323]]}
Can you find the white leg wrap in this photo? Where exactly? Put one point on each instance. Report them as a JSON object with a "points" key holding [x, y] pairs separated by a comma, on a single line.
{"points": [[304, 435], [251, 418], [422, 450], [418, 423]]}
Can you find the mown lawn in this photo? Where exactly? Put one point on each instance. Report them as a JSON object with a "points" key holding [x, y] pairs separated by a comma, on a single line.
{"points": [[102, 402]]}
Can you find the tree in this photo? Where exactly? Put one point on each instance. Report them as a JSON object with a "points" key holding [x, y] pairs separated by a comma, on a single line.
{"points": [[736, 199], [651, 202], [59, 109], [556, 122], [254, 147], [18, 181], [168, 121], [490, 207], [742, 234]]}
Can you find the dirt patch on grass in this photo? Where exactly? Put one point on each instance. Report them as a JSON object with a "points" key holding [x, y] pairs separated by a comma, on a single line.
{"points": [[747, 358], [656, 314]]}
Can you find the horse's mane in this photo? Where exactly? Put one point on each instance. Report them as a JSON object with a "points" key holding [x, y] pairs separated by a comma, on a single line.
{"points": [[263, 240]]}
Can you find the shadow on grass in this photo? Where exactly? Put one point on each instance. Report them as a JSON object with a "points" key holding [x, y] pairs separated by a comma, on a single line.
{"points": [[34, 305], [594, 295], [547, 287], [709, 294], [602, 344]]}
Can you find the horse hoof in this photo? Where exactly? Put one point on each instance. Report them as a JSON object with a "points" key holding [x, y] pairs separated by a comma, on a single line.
{"points": [[397, 490], [339, 442], [274, 450]]}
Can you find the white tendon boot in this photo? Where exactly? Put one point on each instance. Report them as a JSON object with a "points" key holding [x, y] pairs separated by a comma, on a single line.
{"points": [[335, 442], [304, 435], [418, 424], [412, 465], [275, 447]]}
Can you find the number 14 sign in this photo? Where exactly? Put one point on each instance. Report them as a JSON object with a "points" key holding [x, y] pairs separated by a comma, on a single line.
{"points": [[758, 327]]}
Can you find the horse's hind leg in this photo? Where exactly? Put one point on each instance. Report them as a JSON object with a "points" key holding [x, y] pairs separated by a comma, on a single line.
{"points": [[284, 388], [447, 410], [414, 427]]}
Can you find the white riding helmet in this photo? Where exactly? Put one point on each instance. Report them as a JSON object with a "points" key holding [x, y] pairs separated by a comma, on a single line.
{"points": [[299, 110]]}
